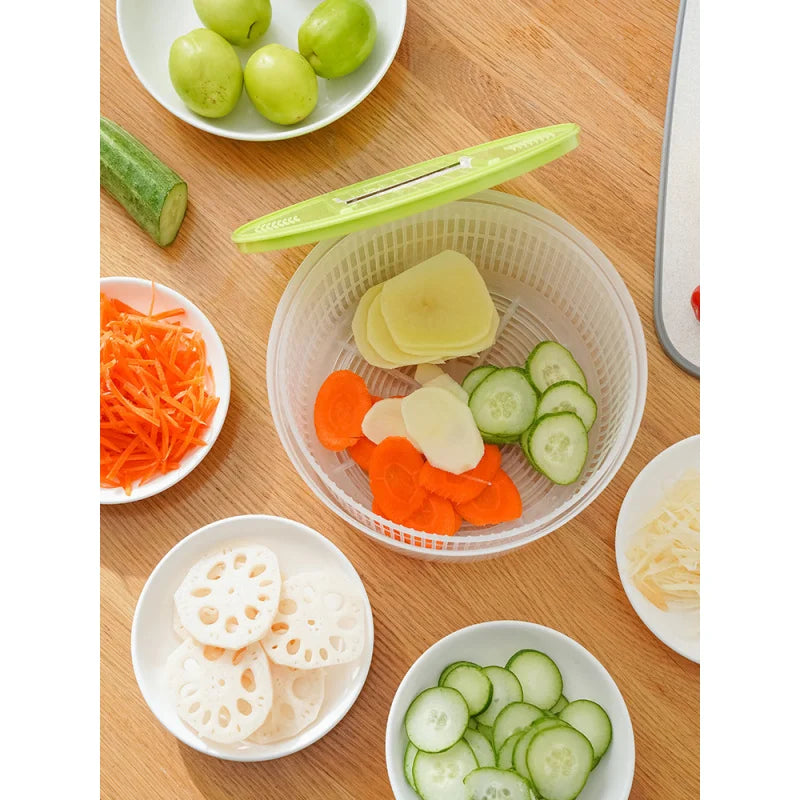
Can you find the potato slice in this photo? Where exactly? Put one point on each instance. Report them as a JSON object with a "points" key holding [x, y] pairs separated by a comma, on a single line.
{"points": [[443, 428], [380, 339], [359, 326], [468, 349], [427, 372], [439, 305], [384, 419], [445, 382]]}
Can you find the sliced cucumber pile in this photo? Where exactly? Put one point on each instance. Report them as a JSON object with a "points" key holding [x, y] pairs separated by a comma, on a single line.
{"points": [[493, 732], [537, 407]]}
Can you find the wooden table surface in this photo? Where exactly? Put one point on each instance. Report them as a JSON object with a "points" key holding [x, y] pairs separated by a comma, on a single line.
{"points": [[467, 71]]}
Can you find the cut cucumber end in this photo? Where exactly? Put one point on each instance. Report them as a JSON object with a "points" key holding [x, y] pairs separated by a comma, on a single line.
{"points": [[172, 214]]}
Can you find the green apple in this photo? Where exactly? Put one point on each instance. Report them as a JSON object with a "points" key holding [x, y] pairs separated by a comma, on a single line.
{"points": [[281, 84], [241, 22], [337, 36], [206, 73]]}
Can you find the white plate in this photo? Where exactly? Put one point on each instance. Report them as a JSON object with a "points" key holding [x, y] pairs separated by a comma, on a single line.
{"points": [[137, 292], [494, 643], [147, 29], [677, 630], [298, 549]]}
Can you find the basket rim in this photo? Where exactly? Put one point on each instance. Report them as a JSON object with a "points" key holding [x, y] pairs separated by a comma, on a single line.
{"points": [[482, 544]]}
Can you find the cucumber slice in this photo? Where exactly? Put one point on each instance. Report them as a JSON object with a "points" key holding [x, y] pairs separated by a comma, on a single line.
{"points": [[494, 784], [562, 703], [153, 194], [472, 725], [504, 403], [498, 440], [524, 440], [559, 762], [481, 747], [486, 730], [514, 717], [592, 721], [440, 776], [436, 719], [475, 376], [506, 689], [452, 666], [549, 363], [408, 764], [505, 755], [558, 447], [539, 677], [568, 396], [543, 723], [472, 684], [518, 759]]}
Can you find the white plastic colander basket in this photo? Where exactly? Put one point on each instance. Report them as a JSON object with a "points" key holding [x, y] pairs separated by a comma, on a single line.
{"points": [[547, 280]]}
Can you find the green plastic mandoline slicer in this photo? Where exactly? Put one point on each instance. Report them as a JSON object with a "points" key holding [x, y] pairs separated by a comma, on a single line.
{"points": [[407, 191]]}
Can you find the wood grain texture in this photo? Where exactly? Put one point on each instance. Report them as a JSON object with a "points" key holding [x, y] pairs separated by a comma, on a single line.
{"points": [[467, 71]]}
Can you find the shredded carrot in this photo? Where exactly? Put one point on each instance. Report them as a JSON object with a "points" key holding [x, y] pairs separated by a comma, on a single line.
{"points": [[156, 393]]}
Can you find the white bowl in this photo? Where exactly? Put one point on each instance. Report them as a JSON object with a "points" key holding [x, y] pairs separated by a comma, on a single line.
{"points": [[547, 280], [494, 643], [298, 549], [679, 631], [137, 292], [147, 29]]}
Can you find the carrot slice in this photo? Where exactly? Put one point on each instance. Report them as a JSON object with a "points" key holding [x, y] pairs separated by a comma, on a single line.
{"points": [[435, 515], [361, 452], [342, 401], [393, 477], [499, 502], [467, 486]]}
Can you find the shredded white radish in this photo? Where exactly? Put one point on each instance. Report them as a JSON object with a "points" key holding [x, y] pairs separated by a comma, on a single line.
{"points": [[664, 554]]}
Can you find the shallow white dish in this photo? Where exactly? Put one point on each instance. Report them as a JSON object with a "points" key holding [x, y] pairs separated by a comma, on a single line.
{"points": [[679, 631], [137, 292], [147, 29], [494, 643], [298, 549]]}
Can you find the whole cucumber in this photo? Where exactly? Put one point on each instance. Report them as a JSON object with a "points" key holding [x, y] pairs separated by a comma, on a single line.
{"points": [[153, 194]]}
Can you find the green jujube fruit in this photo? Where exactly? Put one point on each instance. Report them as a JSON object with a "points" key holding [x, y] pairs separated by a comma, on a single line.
{"points": [[281, 84], [338, 36], [206, 73], [241, 22]]}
